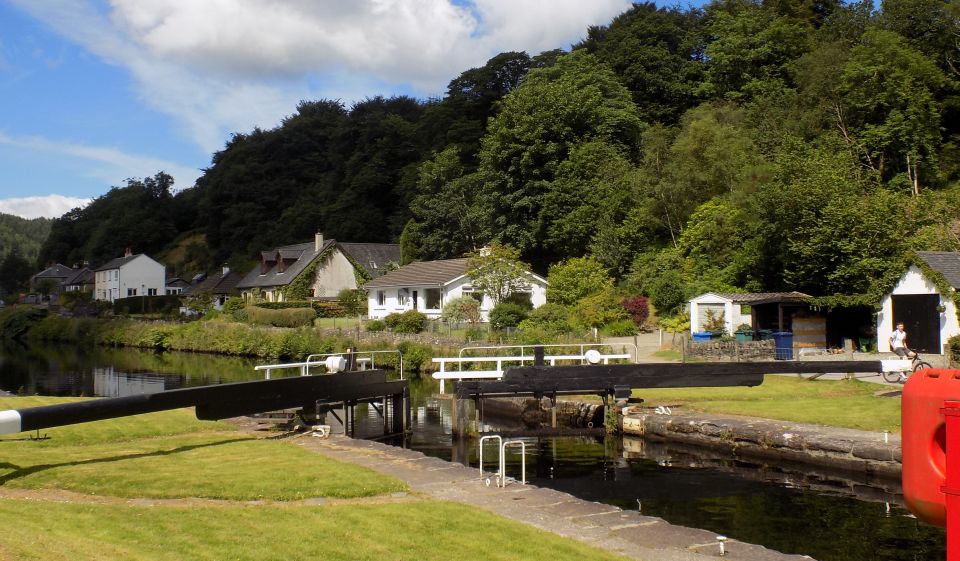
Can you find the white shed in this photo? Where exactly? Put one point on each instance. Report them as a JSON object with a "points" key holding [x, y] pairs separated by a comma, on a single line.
{"points": [[929, 317]]}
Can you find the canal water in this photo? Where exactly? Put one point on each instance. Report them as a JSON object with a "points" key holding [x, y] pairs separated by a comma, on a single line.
{"points": [[829, 516]]}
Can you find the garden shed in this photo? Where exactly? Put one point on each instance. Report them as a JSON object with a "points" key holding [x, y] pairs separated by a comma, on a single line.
{"points": [[923, 300], [763, 311]]}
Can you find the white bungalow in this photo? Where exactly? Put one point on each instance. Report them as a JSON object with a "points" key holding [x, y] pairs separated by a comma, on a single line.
{"points": [[130, 275], [929, 317], [427, 285]]}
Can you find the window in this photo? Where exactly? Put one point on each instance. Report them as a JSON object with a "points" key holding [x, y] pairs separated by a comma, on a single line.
{"points": [[432, 298], [151, 292], [522, 296], [381, 298], [131, 292], [403, 296]]}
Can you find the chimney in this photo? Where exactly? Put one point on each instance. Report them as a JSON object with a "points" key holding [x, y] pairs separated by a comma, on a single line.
{"points": [[226, 270], [317, 242], [127, 252]]}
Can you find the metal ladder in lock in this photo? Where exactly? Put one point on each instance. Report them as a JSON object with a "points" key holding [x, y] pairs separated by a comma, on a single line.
{"points": [[500, 477]]}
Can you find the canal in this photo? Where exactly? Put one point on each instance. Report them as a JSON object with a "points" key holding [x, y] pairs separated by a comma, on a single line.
{"points": [[829, 516]]}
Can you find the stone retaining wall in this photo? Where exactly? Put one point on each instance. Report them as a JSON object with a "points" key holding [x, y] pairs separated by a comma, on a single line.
{"points": [[875, 454]]}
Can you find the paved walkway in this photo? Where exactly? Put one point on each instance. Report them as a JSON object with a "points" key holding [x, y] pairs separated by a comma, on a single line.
{"points": [[624, 532]]}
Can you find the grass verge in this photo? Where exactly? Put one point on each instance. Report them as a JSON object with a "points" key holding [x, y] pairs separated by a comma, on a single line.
{"points": [[839, 403]]}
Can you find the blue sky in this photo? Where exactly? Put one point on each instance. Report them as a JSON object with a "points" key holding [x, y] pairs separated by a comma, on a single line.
{"points": [[97, 91]]}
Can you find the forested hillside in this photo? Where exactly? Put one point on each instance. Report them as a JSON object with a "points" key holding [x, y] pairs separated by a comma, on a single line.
{"points": [[22, 235], [789, 145]]}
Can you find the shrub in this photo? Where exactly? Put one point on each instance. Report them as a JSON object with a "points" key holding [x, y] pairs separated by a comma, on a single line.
{"points": [[235, 308], [14, 322], [507, 314], [416, 356], [353, 301], [460, 310], [376, 325], [289, 317], [953, 344], [622, 328], [549, 318], [638, 307], [410, 321], [166, 304], [598, 310]]}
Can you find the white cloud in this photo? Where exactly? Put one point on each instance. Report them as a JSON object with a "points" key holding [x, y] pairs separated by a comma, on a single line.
{"points": [[222, 66], [49, 206]]}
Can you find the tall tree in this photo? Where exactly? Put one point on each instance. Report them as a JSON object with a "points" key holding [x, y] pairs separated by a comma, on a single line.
{"points": [[554, 110]]}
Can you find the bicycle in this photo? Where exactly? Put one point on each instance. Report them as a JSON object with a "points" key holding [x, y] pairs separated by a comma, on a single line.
{"points": [[916, 364]]}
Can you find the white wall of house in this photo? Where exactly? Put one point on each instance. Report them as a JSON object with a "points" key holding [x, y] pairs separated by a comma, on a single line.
{"points": [[914, 282], [430, 300], [333, 275], [141, 276], [733, 314]]}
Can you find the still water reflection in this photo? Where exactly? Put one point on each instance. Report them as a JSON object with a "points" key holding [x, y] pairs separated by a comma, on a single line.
{"points": [[794, 509]]}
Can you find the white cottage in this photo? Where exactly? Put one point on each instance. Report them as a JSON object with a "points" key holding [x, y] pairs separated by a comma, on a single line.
{"points": [[929, 317], [427, 285], [130, 275]]}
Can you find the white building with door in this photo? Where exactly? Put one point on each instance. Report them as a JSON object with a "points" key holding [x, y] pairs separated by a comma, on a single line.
{"points": [[427, 285], [127, 276], [929, 317]]}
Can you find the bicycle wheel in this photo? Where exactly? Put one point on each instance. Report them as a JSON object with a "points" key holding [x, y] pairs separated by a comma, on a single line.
{"points": [[921, 365], [891, 377]]}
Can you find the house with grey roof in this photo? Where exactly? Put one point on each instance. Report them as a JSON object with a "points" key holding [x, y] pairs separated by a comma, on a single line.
{"points": [[82, 280], [219, 287], [426, 286], [924, 304], [127, 276], [323, 267], [51, 280]]}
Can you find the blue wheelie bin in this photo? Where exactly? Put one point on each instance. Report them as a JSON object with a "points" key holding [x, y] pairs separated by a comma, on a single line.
{"points": [[783, 345], [702, 336]]}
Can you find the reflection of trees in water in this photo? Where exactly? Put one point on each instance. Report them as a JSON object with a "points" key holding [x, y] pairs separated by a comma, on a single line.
{"points": [[66, 370]]}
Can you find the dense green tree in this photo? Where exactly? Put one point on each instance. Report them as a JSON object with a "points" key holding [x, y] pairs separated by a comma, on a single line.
{"points": [[24, 235], [138, 216], [751, 50], [576, 278], [658, 54], [890, 108], [15, 272], [447, 217], [554, 110]]}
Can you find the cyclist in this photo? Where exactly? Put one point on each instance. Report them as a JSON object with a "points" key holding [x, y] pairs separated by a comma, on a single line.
{"points": [[898, 343]]}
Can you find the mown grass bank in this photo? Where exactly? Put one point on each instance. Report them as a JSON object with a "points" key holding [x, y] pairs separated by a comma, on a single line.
{"points": [[166, 486], [839, 403]]}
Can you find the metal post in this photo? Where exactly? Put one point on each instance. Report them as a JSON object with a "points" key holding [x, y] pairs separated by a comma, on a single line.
{"points": [[951, 487]]}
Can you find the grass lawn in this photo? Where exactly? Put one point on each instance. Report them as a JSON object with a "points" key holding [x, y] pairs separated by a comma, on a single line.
{"points": [[73, 496], [839, 403], [425, 530]]}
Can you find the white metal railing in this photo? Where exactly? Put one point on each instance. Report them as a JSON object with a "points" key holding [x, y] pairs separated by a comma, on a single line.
{"points": [[501, 475], [588, 354], [364, 358]]}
